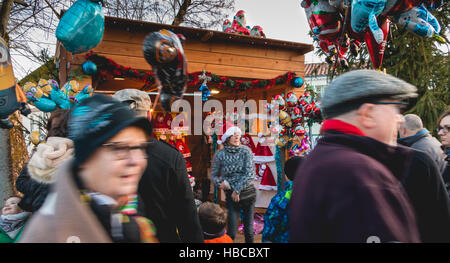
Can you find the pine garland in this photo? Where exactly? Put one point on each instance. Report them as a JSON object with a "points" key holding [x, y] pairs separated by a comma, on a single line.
{"points": [[107, 68]]}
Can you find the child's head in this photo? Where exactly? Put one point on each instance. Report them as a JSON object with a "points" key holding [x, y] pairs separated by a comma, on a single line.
{"points": [[291, 166], [11, 206], [212, 217]]}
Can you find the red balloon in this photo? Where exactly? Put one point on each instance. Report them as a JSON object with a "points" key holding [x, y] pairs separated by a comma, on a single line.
{"points": [[376, 50]]}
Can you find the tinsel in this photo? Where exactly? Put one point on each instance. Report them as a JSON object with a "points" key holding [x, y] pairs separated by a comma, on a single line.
{"points": [[279, 169]]}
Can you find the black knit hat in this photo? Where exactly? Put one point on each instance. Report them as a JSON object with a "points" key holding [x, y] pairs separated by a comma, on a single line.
{"points": [[291, 167], [96, 120]]}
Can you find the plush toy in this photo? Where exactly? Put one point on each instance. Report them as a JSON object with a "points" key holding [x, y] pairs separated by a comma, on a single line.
{"points": [[257, 31], [164, 52], [12, 97], [279, 101], [81, 27]]}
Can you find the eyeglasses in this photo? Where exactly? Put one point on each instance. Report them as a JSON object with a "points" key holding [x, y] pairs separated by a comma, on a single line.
{"points": [[122, 151], [401, 106], [444, 129]]}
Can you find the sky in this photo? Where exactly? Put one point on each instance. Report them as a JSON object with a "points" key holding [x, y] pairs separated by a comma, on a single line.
{"points": [[282, 19]]}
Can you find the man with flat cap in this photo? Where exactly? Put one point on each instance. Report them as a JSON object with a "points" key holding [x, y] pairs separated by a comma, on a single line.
{"points": [[347, 189]]}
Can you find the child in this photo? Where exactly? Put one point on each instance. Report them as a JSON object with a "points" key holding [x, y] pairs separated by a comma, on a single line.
{"points": [[213, 220], [276, 219], [12, 220]]}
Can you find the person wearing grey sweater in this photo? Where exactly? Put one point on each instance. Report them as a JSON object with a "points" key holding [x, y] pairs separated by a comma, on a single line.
{"points": [[233, 171]]}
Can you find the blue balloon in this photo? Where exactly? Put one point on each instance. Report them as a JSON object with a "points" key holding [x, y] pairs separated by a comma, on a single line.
{"points": [[89, 67], [298, 82], [81, 28], [364, 13]]}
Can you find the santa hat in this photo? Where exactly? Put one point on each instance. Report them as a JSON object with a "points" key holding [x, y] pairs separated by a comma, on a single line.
{"points": [[191, 180], [182, 147], [188, 165], [262, 152], [228, 130], [267, 182], [168, 121], [247, 140], [158, 123]]}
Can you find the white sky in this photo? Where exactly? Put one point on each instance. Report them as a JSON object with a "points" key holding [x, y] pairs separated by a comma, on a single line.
{"points": [[282, 19]]}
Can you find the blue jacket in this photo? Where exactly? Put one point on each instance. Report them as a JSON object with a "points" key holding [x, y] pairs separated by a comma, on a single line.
{"points": [[276, 218]]}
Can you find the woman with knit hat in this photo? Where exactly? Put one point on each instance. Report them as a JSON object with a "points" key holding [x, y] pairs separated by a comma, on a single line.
{"points": [[233, 171], [85, 203]]}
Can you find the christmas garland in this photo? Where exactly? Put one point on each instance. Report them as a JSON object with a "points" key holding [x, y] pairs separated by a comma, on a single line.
{"points": [[107, 68]]}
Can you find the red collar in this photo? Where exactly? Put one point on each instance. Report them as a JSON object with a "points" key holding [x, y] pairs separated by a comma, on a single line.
{"points": [[341, 126]]}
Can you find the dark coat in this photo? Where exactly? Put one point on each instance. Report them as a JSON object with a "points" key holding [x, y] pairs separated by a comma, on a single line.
{"points": [[167, 196], [428, 196], [345, 191], [34, 192], [423, 141]]}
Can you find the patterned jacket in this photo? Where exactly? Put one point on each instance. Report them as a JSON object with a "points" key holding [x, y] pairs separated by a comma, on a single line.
{"points": [[234, 165]]}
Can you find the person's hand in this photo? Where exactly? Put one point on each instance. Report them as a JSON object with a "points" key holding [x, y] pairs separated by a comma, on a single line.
{"points": [[224, 186], [235, 196]]}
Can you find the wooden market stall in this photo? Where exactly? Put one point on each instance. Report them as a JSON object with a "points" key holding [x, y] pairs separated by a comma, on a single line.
{"points": [[233, 58]]}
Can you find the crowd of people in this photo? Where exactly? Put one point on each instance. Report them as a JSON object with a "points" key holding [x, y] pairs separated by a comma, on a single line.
{"points": [[101, 176]]}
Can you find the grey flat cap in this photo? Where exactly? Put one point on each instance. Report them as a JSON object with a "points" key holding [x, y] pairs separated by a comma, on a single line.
{"points": [[357, 86], [142, 100]]}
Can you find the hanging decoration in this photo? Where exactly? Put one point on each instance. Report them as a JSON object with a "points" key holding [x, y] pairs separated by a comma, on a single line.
{"points": [[203, 88], [339, 25], [107, 69], [81, 27]]}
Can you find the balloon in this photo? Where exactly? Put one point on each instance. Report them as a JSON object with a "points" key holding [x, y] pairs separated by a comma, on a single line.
{"points": [[297, 115], [239, 26], [86, 92], [12, 97], [89, 68], [291, 99], [164, 52], [285, 119], [323, 19], [364, 13], [376, 50], [81, 27], [205, 92], [36, 97], [299, 130], [419, 21], [297, 82], [279, 100]]}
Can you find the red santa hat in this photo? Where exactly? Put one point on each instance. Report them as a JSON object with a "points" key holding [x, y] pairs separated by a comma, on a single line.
{"points": [[188, 165], [262, 152], [267, 182], [191, 180], [228, 130], [182, 147], [168, 122], [247, 140], [158, 123]]}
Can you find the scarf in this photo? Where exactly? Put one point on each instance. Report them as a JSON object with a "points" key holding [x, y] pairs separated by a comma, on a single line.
{"points": [[12, 224], [341, 126]]}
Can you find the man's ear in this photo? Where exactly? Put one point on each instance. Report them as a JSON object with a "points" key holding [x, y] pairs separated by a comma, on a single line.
{"points": [[366, 115]]}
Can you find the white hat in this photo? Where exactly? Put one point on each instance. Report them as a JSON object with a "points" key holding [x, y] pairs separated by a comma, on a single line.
{"points": [[229, 132]]}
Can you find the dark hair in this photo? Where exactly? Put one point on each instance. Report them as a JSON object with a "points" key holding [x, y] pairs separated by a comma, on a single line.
{"points": [[291, 166], [57, 123], [212, 218], [443, 115]]}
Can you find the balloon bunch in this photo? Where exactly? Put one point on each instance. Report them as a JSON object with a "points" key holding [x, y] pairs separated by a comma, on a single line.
{"points": [[164, 52], [342, 24], [239, 26], [47, 96], [293, 114], [300, 150], [81, 27]]}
